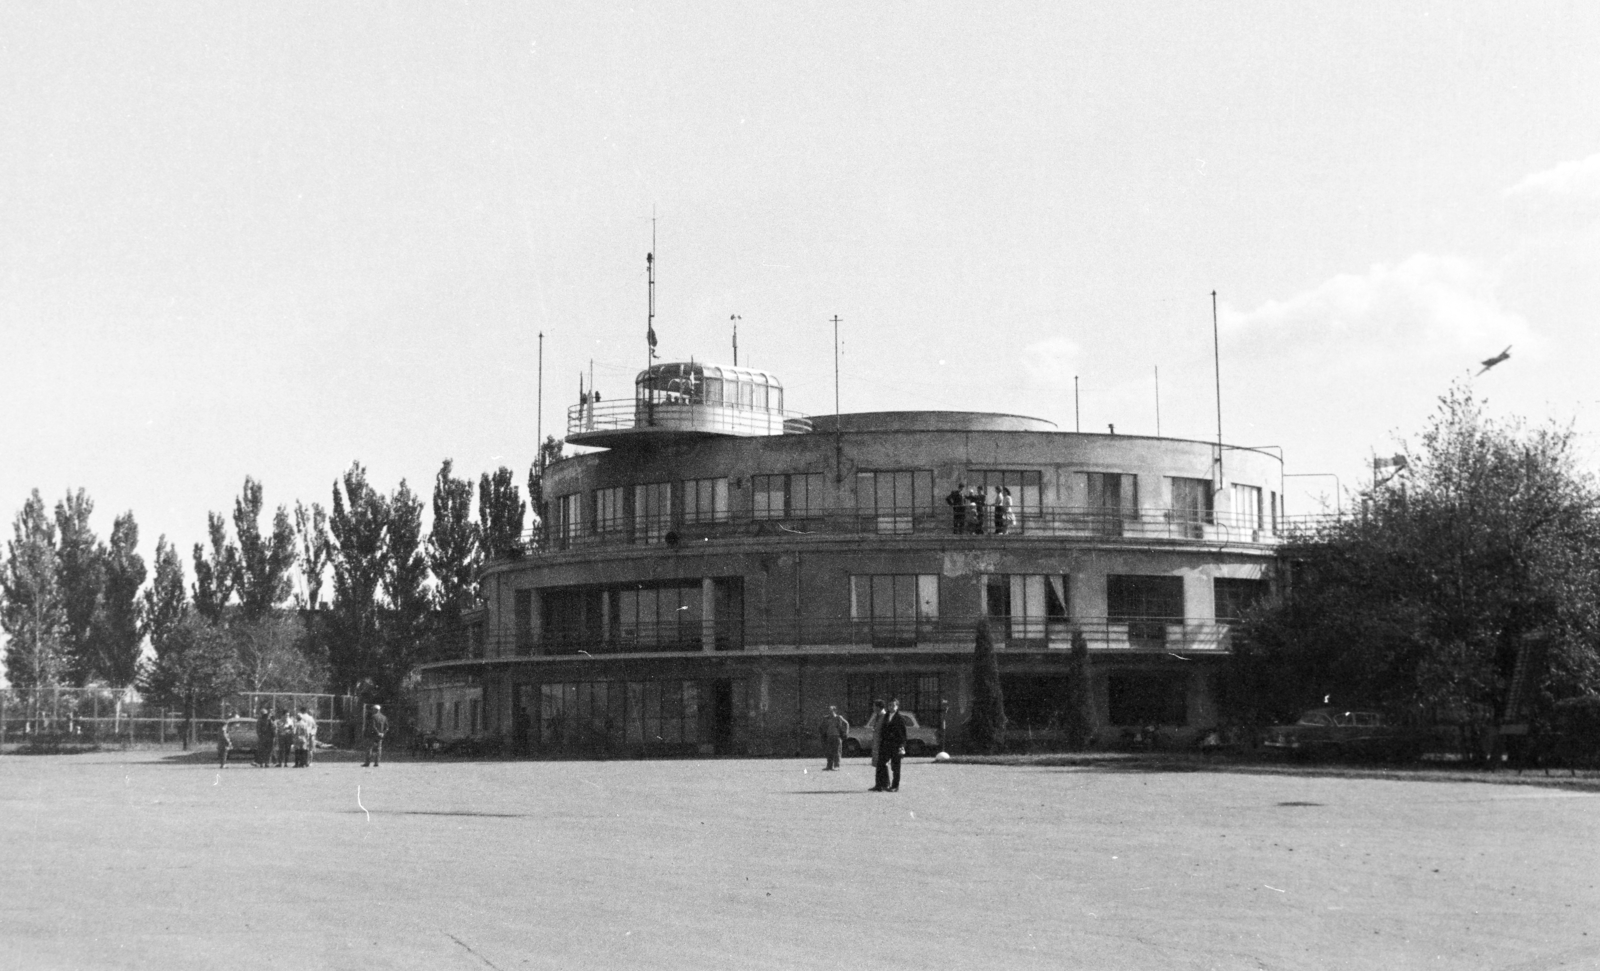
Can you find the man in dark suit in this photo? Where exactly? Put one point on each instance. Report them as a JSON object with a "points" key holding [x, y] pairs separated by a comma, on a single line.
{"points": [[891, 747]]}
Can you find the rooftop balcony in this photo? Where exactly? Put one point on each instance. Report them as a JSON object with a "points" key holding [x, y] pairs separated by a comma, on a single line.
{"points": [[1049, 522], [687, 398]]}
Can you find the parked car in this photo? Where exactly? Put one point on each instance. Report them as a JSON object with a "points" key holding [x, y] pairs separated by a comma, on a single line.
{"points": [[920, 739], [242, 735], [1341, 733]]}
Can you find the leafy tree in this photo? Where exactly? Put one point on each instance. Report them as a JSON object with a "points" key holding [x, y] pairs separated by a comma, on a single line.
{"points": [[31, 609], [311, 525], [165, 602], [987, 727], [454, 556], [273, 653], [1490, 537], [501, 512], [80, 566], [358, 526], [409, 603], [195, 667], [262, 564], [1078, 722], [118, 630], [216, 574]]}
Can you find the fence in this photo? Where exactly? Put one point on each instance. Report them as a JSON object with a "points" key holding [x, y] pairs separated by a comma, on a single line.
{"points": [[64, 715]]}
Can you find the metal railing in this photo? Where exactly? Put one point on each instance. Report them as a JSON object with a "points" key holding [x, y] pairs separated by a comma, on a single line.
{"points": [[690, 416], [1101, 635], [1048, 521]]}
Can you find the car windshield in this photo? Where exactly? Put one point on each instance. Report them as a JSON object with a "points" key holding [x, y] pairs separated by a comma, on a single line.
{"points": [[1320, 718]]}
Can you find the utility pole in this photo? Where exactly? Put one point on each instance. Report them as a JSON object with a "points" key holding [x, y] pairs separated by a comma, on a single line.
{"points": [[838, 442]]}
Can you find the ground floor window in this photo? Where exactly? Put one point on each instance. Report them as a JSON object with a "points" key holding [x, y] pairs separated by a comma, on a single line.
{"points": [[922, 694], [1148, 698], [1040, 702], [612, 715]]}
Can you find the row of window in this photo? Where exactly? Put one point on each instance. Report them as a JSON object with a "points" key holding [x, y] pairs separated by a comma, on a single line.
{"points": [[1005, 499], [889, 608]]}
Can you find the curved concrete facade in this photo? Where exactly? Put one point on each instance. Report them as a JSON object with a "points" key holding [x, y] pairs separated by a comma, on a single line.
{"points": [[713, 595]]}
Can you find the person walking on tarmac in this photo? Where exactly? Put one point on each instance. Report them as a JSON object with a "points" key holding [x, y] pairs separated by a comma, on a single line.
{"points": [[833, 730], [891, 746], [379, 727]]}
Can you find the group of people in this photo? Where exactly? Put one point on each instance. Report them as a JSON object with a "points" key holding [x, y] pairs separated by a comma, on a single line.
{"points": [[972, 510], [888, 742], [283, 735]]}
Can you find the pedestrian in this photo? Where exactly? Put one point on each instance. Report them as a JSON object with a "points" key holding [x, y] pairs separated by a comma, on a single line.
{"points": [[1002, 511], [224, 744], [297, 726], [283, 734], [892, 745], [974, 510], [833, 730], [311, 734], [378, 727], [880, 774], [957, 501], [264, 737]]}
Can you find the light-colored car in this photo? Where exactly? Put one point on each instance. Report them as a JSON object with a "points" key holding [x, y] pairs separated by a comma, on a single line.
{"points": [[920, 739], [242, 733]]}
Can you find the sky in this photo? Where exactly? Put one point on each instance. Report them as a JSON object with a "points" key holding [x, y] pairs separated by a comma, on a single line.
{"points": [[273, 240]]}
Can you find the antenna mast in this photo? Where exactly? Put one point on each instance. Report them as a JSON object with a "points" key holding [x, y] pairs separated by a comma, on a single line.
{"points": [[650, 274], [538, 421], [1216, 357]]}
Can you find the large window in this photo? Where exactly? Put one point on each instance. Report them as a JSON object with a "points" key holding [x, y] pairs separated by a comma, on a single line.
{"points": [[1113, 500], [652, 511], [663, 617], [1236, 596], [1247, 511], [891, 501], [705, 501], [522, 618], [589, 715], [919, 693], [568, 518], [786, 496], [1147, 604], [1022, 486], [894, 609], [1026, 606], [611, 511], [1147, 698], [1192, 505]]}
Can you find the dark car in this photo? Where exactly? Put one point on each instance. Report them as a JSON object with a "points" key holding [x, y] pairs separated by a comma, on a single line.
{"points": [[920, 739], [242, 733], [1345, 733]]}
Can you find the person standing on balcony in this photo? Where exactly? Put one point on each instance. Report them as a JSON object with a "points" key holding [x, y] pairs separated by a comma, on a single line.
{"points": [[1002, 510], [957, 501], [833, 729], [973, 505], [891, 740]]}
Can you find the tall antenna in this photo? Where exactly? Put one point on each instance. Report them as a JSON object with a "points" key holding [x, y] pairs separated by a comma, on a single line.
{"points": [[838, 443], [1077, 413], [1158, 401], [1216, 357], [538, 421], [736, 318], [650, 274]]}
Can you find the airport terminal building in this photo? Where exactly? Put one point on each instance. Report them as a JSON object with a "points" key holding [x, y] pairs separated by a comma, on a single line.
{"points": [[722, 570]]}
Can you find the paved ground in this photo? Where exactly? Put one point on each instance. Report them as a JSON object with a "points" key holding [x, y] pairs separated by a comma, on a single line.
{"points": [[146, 860]]}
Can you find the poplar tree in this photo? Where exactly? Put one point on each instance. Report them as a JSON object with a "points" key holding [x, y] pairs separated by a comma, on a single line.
{"points": [[357, 526], [118, 628], [311, 526], [80, 566], [262, 563], [501, 513], [31, 609], [216, 573], [987, 727], [165, 602], [454, 555]]}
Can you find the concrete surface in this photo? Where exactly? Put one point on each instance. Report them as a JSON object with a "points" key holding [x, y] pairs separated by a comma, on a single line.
{"points": [[147, 860]]}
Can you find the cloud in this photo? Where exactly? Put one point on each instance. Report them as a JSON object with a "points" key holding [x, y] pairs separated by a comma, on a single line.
{"points": [[1580, 179], [1426, 307], [1052, 363]]}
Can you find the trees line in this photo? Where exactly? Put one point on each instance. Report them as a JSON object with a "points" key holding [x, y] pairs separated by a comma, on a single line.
{"points": [[78, 611]]}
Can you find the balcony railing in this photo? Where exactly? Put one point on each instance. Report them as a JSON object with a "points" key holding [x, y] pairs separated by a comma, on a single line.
{"points": [[682, 416], [1101, 635], [1047, 521]]}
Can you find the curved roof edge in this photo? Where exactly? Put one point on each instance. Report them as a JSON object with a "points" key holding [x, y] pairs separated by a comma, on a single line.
{"points": [[929, 421]]}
